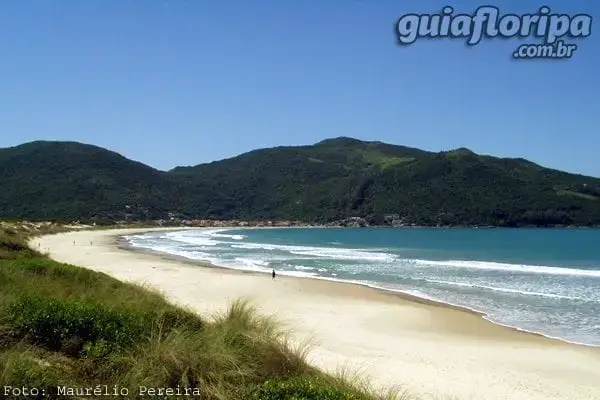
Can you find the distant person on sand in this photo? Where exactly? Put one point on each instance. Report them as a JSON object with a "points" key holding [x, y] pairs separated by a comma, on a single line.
{"points": [[273, 274]]}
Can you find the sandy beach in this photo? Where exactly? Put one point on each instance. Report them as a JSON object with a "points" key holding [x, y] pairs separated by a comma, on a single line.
{"points": [[432, 351]]}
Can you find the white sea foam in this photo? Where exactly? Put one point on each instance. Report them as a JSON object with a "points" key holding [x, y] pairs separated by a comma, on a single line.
{"points": [[303, 268], [257, 246], [252, 262], [202, 237], [485, 265], [199, 240], [344, 254], [324, 252], [210, 238], [234, 237], [508, 290]]}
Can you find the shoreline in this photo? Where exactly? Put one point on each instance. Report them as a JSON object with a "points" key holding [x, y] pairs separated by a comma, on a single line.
{"points": [[204, 264], [428, 348], [399, 293], [122, 243]]}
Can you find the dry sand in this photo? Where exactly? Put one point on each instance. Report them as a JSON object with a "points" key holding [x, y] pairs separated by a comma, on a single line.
{"points": [[433, 351]]}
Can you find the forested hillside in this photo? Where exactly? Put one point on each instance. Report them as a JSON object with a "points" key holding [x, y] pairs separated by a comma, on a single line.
{"points": [[329, 181]]}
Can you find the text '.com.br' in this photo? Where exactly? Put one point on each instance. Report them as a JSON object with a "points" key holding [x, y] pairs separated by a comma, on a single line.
{"points": [[486, 22]]}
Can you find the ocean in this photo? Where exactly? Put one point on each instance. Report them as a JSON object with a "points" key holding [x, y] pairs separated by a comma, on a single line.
{"points": [[539, 280]]}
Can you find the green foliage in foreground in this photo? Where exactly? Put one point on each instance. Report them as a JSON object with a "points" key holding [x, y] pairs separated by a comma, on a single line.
{"points": [[302, 388], [62, 326], [73, 326], [13, 246], [329, 181]]}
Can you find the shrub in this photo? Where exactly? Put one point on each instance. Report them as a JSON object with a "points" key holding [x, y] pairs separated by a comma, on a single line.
{"points": [[302, 388], [177, 319], [21, 367], [73, 326], [36, 266], [13, 246]]}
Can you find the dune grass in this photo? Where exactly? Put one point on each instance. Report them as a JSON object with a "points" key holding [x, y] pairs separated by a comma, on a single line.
{"points": [[63, 327]]}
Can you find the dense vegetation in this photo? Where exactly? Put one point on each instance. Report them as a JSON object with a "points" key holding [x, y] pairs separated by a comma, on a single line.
{"points": [[62, 326], [329, 181]]}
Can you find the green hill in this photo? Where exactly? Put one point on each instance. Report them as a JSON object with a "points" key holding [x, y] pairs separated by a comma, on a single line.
{"points": [[331, 180], [70, 180]]}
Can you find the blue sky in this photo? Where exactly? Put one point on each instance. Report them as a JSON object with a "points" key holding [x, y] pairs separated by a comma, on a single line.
{"points": [[183, 82]]}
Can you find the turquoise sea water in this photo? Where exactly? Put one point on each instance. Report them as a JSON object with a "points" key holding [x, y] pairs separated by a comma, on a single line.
{"points": [[540, 280]]}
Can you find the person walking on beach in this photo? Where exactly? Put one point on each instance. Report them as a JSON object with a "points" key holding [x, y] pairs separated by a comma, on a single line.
{"points": [[273, 275]]}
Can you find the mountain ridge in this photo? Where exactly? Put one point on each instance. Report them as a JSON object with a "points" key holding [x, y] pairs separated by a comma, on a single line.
{"points": [[331, 180]]}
